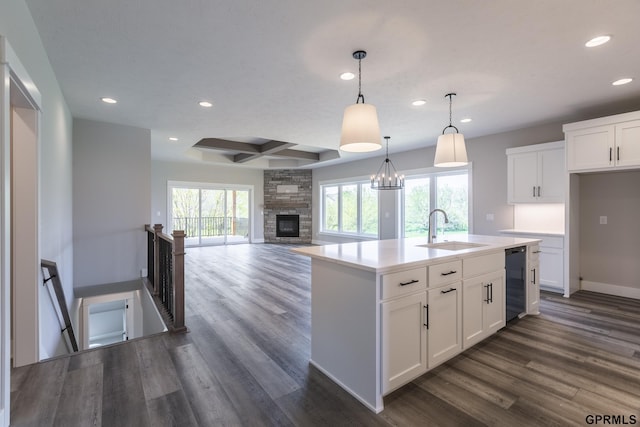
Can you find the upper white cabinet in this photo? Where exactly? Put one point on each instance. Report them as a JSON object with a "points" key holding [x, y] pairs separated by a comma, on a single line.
{"points": [[536, 173], [606, 143]]}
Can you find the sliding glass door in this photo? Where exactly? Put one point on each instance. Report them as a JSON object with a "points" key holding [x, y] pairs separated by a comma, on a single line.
{"points": [[210, 215]]}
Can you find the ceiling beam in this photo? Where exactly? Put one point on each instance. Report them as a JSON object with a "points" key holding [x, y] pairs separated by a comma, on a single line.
{"points": [[226, 145], [268, 148]]}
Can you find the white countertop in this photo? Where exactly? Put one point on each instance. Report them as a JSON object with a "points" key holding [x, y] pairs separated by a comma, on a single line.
{"points": [[533, 232], [383, 256]]}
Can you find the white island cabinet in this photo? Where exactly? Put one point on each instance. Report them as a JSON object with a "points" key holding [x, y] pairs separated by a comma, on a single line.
{"points": [[385, 312]]}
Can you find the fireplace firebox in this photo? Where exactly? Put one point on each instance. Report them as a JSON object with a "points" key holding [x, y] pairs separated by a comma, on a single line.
{"points": [[287, 225]]}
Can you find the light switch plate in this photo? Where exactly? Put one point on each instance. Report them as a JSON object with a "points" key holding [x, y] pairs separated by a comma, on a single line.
{"points": [[603, 220]]}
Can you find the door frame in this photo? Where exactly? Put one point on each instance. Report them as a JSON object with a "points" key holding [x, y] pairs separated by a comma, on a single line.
{"points": [[12, 75], [210, 186]]}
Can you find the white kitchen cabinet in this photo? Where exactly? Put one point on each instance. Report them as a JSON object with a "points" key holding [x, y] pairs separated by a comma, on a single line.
{"points": [[602, 144], [535, 173], [404, 340], [533, 279], [483, 305], [444, 323]]}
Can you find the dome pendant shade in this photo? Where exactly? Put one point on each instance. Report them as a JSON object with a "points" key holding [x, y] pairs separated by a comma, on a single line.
{"points": [[450, 151], [360, 129]]}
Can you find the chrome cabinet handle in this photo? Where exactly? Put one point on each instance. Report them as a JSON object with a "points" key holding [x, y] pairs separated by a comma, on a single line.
{"points": [[487, 294], [538, 191], [534, 191], [610, 154], [450, 272], [618, 149], [533, 271], [411, 282], [448, 290]]}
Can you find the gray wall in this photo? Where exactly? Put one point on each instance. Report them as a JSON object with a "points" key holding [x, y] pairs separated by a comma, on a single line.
{"points": [[55, 202], [162, 172], [489, 168], [111, 200], [609, 253]]}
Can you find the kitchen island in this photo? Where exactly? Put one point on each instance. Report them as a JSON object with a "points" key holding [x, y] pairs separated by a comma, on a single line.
{"points": [[385, 312]]}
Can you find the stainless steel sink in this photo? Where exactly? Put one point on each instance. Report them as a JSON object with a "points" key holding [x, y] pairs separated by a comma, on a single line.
{"points": [[452, 246]]}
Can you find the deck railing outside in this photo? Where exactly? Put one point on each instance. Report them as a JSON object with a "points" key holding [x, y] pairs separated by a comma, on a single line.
{"points": [[165, 271], [212, 226]]}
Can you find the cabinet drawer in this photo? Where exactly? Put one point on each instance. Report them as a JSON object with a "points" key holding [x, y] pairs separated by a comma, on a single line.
{"points": [[447, 272], [403, 282], [533, 253], [551, 242], [482, 264]]}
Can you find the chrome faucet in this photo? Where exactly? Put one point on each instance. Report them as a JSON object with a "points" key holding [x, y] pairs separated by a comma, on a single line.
{"points": [[432, 231]]}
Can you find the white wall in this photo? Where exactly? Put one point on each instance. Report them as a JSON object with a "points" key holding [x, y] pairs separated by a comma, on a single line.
{"points": [[489, 160], [111, 200], [55, 202], [163, 171]]}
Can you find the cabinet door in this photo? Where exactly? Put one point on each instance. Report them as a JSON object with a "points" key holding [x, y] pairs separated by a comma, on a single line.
{"points": [[551, 268], [444, 322], [495, 309], [628, 144], [533, 286], [551, 176], [474, 294], [522, 171], [590, 148], [404, 340]]}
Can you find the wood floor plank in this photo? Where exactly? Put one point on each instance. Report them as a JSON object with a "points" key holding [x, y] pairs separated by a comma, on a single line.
{"points": [[156, 368], [37, 402], [123, 401], [171, 410], [81, 385], [210, 403]]}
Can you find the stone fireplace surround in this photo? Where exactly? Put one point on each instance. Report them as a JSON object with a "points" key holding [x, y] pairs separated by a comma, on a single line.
{"points": [[287, 192]]}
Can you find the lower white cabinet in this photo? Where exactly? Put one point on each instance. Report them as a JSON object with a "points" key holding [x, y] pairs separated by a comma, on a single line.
{"points": [[483, 302], [404, 340], [534, 254], [444, 317]]}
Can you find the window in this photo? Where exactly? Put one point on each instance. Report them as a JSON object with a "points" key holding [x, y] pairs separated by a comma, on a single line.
{"points": [[350, 208], [448, 191]]}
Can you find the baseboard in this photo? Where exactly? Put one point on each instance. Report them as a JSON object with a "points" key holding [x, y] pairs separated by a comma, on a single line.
{"points": [[321, 242], [606, 288], [257, 241]]}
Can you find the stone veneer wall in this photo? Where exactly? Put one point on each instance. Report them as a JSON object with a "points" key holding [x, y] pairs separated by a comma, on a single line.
{"points": [[290, 203]]}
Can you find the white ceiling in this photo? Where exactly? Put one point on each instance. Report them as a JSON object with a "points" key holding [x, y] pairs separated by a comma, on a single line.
{"points": [[271, 68]]}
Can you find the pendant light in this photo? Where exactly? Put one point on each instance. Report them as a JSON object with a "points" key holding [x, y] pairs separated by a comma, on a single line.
{"points": [[387, 177], [360, 129], [450, 150]]}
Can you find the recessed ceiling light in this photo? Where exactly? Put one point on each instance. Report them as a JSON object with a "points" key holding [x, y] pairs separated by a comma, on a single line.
{"points": [[206, 104], [108, 100], [465, 120], [418, 102], [173, 138], [347, 76], [597, 41], [622, 81]]}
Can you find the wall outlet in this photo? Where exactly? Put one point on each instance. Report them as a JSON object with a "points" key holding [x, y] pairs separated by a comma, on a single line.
{"points": [[603, 220], [143, 272]]}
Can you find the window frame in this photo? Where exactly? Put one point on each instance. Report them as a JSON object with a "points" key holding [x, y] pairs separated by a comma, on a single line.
{"points": [[433, 174], [360, 183]]}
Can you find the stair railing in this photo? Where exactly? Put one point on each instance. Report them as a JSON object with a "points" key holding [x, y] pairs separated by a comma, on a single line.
{"points": [[165, 271]]}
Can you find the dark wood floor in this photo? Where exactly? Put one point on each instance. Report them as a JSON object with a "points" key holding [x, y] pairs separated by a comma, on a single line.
{"points": [[245, 362]]}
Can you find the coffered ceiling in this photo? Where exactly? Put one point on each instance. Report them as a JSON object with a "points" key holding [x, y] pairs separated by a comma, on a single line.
{"points": [[271, 69]]}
